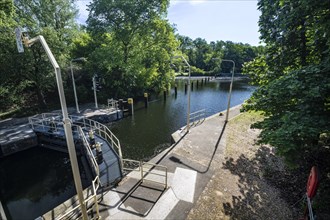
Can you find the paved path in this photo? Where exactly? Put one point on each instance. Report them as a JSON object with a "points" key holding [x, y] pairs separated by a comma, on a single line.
{"points": [[191, 163]]}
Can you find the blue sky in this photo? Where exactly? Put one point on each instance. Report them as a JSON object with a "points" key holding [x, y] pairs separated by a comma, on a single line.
{"points": [[212, 20]]}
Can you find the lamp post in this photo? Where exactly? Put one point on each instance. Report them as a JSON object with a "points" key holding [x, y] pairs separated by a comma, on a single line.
{"points": [[73, 81], [66, 121], [188, 108], [231, 84]]}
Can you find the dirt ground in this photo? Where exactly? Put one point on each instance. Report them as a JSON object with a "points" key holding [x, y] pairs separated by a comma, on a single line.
{"points": [[242, 188]]}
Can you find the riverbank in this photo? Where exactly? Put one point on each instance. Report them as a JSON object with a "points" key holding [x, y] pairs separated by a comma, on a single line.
{"points": [[240, 187]]}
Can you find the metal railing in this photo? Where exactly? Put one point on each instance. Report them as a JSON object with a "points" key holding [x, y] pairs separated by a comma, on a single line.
{"points": [[95, 181], [151, 170], [112, 104], [102, 131], [197, 116], [53, 122], [95, 186], [154, 171], [89, 151]]}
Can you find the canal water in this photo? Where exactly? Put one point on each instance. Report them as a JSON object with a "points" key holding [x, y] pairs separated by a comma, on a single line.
{"points": [[36, 180], [149, 131]]}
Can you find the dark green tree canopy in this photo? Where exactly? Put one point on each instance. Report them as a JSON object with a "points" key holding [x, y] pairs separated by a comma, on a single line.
{"points": [[294, 80]]}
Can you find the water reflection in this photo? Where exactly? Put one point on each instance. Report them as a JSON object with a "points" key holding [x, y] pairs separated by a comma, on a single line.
{"points": [[150, 129]]}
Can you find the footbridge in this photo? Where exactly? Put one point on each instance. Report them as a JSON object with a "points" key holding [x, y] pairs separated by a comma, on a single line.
{"points": [[105, 160]]}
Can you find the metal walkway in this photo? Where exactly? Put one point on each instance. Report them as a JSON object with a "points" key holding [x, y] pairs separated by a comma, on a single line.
{"points": [[50, 132]]}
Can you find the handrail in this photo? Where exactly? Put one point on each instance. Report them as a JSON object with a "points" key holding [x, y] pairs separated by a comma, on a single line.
{"points": [[197, 116], [95, 186], [145, 172], [89, 151], [45, 121], [104, 132], [113, 103], [153, 166]]}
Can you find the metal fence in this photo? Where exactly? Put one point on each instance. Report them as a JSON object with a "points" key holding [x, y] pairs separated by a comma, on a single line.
{"points": [[197, 117], [150, 172], [102, 131], [112, 104]]}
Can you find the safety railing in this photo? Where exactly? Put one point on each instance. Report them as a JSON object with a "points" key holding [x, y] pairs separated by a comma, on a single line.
{"points": [[102, 131], [150, 172], [53, 122], [197, 116], [47, 121], [88, 151], [112, 104], [93, 196], [95, 182]]}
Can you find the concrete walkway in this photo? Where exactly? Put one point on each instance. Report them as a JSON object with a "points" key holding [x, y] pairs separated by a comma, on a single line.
{"points": [[190, 163]]}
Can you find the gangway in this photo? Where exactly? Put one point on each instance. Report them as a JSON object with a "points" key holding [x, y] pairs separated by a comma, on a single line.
{"points": [[50, 132]]}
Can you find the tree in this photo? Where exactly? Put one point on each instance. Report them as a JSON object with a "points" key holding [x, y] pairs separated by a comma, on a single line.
{"points": [[134, 45], [10, 87], [31, 72], [294, 79], [201, 54]]}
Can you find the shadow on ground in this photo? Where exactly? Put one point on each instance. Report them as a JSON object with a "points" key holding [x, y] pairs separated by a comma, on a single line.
{"points": [[257, 197]]}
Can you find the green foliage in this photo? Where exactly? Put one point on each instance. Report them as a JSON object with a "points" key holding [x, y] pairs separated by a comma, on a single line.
{"points": [[201, 54], [133, 46], [258, 71], [294, 79], [297, 110], [29, 77]]}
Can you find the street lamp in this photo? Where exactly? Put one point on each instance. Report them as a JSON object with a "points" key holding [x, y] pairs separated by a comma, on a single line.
{"points": [[188, 109], [231, 84], [66, 121], [73, 81]]}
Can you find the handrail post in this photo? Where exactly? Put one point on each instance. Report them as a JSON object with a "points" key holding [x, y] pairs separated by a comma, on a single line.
{"points": [[166, 177], [141, 169]]}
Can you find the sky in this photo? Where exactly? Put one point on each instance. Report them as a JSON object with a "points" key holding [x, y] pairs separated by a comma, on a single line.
{"points": [[212, 20]]}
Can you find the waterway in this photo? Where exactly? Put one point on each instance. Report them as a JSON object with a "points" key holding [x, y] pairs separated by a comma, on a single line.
{"points": [[149, 131], [36, 180]]}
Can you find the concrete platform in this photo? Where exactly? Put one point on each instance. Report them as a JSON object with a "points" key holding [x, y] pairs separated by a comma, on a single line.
{"points": [[191, 163], [17, 138]]}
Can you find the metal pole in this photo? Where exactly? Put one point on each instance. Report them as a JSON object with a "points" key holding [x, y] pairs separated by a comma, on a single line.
{"points": [[189, 88], [95, 97], [67, 129], [74, 88], [230, 88]]}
